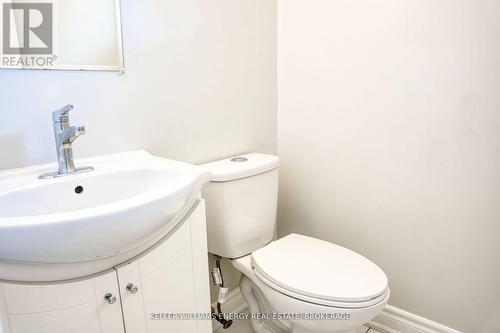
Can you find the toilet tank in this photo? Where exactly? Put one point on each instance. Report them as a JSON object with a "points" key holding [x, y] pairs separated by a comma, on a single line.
{"points": [[241, 201]]}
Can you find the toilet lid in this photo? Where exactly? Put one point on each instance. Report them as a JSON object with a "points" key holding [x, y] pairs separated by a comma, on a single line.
{"points": [[319, 270]]}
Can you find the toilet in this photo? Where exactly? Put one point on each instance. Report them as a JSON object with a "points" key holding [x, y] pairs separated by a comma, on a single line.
{"points": [[294, 284]]}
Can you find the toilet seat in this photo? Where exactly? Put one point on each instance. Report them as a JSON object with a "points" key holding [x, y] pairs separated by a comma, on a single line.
{"points": [[323, 302], [320, 272]]}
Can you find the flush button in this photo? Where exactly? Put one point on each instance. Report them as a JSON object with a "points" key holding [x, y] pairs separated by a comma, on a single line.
{"points": [[239, 159]]}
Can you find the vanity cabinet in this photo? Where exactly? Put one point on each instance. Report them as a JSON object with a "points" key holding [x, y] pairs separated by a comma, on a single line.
{"points": [[135, 297], [76, 307]]}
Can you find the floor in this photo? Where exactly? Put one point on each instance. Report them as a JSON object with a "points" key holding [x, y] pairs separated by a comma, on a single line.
{"points": [[243, 326]]}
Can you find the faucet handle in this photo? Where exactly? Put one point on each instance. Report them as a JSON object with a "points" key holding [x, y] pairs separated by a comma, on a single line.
{"points": [[61, 115]]}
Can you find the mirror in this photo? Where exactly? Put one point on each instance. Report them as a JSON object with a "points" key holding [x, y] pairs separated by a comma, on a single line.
{"points": [[61, 34]]}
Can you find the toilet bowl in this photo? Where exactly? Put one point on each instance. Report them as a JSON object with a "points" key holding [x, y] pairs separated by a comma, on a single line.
{"points": [[295, 284], [337, 291]]}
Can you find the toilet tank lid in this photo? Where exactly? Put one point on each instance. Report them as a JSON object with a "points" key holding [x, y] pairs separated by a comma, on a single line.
{"points": [[241, 166]]}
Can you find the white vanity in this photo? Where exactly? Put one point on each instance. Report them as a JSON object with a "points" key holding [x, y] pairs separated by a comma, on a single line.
{"points": [[119, 249]]}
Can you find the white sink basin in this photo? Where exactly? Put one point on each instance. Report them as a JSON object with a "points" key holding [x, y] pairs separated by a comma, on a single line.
{"points": [[51, 232]]}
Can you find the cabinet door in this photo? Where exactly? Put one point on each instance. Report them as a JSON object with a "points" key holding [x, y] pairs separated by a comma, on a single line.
{"points": [[76, 307], [171, 279]]}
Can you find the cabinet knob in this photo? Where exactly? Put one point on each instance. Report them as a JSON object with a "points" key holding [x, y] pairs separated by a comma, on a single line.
{"points": [[132, 288], [110, 298]]}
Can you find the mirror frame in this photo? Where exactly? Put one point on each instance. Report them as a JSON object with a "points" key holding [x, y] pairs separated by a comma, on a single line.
{"points": [[120, 68]]}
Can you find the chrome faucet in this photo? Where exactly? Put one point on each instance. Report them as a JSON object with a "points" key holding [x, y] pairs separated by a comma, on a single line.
{"points": [[65, 135]]}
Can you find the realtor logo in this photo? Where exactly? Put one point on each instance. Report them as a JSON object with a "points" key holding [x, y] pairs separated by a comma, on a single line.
{"points": [[27, 28]]}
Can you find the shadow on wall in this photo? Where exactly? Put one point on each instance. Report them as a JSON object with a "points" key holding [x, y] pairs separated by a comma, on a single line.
{"points": [[13, 151]]}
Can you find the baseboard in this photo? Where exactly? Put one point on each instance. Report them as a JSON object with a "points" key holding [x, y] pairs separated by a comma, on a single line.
{"points": [[394, 320], [390, 320], [235, 303]]}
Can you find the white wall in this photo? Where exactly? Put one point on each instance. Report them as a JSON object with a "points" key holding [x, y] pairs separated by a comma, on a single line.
{"points": [[200, 84], [388, 131]]}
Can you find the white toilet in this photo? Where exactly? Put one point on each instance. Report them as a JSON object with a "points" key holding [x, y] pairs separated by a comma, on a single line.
{"points": [[308, 284]]}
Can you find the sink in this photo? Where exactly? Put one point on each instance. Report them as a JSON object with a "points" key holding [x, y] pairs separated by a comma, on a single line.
{"points": [[82, 224]]}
